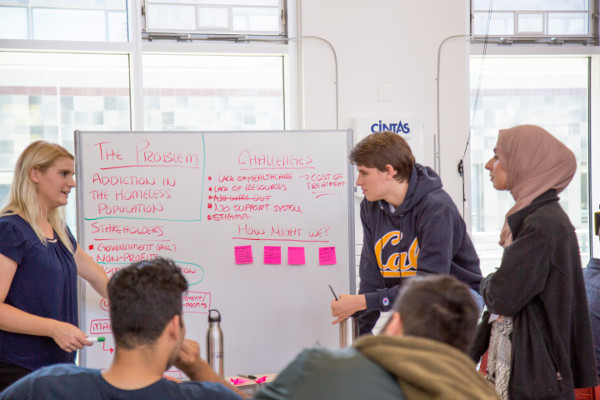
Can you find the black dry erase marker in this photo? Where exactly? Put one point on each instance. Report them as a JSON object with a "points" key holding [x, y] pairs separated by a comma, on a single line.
{"points": [[248, 376], [334, 295]]}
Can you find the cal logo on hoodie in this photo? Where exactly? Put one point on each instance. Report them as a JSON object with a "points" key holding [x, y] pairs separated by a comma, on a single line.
{"points": [[399, 264]]}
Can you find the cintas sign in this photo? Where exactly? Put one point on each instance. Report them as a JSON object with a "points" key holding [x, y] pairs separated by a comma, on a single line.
{"points": [[396, 127], [409, 127]]}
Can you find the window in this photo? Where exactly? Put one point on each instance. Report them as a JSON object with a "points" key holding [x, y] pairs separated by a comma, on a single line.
{"points": [[548, 91], [548, 21], [213, 93], [253, 17], [49, 95], [79, 20]]}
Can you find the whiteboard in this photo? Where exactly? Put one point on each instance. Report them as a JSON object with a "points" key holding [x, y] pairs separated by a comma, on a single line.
{"points": [[237, 211]]}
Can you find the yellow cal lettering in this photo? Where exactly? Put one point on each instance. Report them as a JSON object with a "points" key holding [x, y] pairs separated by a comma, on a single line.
{"points": [[392, 262], [410, 268], [397, 265]]}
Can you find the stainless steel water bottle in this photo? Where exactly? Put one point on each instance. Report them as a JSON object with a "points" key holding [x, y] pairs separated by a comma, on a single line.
{"points": [[214, 342]]}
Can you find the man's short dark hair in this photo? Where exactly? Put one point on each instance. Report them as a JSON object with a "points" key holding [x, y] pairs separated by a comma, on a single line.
{"points": [[143, 298], [382, 148], [438, 307]]}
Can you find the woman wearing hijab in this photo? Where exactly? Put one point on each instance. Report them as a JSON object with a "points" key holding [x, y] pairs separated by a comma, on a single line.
{"points": [[541, 341]]}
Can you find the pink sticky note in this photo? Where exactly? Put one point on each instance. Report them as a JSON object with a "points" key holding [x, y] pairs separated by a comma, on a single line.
{"points": [[272, 255], [327, 255], [262, 379], [237, 381], [296, 256], [243, 254]]}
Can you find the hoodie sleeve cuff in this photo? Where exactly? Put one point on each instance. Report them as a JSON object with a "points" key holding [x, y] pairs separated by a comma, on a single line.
{"points": [[384, 299], [380, 300], [372, 301]]}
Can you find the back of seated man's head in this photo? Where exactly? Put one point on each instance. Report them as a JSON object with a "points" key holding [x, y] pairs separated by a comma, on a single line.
{"points": [[438, 307], [143, 298]]}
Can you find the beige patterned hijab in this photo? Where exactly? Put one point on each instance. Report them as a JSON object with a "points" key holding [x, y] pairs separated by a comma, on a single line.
{"points": [[535, 162]]}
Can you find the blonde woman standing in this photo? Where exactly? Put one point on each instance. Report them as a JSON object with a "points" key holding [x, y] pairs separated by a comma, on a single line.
{"points": [[39, 264]]}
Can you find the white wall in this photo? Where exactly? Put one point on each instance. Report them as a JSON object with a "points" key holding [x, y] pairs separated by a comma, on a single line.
{"points": [[389, 42]]}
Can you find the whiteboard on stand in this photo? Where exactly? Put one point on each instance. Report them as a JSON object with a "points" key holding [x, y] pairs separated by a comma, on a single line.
{"points": [[260, 223]]}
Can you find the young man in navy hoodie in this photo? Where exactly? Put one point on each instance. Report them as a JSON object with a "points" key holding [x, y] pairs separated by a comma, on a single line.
{"points": [[411, 227]]}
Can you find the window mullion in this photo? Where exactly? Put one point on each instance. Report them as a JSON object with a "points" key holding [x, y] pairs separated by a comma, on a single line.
{"points": [[135, 67]]}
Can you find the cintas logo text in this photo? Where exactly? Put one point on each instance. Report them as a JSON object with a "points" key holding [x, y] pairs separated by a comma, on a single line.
{"points": [[397, 127]]}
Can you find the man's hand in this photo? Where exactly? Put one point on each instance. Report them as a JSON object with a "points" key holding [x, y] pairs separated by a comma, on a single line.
{"points": [[197, 369], [189, 361], [347, 305]]}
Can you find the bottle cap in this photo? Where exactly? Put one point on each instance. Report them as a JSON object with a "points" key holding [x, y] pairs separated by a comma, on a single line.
{"points": [[212, 318]]}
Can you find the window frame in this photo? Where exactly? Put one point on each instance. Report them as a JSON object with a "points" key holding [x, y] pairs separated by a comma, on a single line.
{"points": [[204, 33], [538, 38]]}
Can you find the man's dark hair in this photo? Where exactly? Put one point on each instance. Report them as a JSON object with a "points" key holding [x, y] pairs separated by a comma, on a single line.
{"points": [[438, 307], [143, 298], [382, 148]]}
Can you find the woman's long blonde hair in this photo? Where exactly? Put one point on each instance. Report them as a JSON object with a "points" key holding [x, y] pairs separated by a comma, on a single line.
{"points": [[23, 196]]}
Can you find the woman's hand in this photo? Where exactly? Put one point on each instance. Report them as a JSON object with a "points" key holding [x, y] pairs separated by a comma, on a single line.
{"points": [[68, 337], [347, 305]]}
